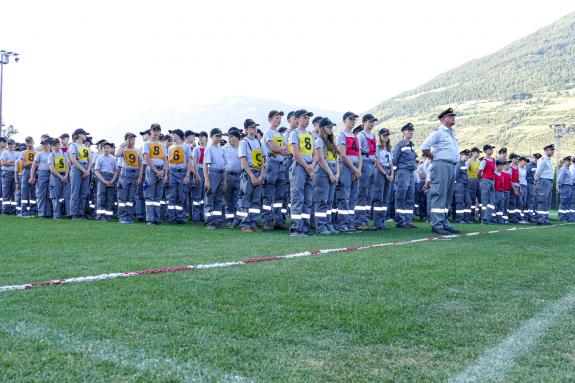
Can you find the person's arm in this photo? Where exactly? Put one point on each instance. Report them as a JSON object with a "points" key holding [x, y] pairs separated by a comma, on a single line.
{"points": [[16, 177], [540, 168], [323, 163], [275, 148], [482, 165], [428, 144], [7, 162], [336, 171], [344, 158], [111, 182], [262, 171], [189, 164], [100, 177], [379, 168], [32, 179], [247, 169], [206, 175]]}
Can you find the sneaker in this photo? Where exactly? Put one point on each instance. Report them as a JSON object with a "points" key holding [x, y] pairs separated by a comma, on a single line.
{"points": [[280, 226], [268, 227], [247, 230], [362, 228], [439, 231], [324, 232], [297, 234], [125, 222], [411, 226], [452, 230], [211, 227]]}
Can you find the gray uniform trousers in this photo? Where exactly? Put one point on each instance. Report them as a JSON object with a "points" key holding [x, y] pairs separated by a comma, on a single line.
{"points": [[288, 160], [404, 196], [175, 194], [531, 202], [79, 190], [58, 190], [381, 196], [1, 195], [522, 213], [214, 204], [231, 197], [8, 189], [487, 200], [140, 206], [565, 195], [127, 191], [462, 202], [474, 192], [500, 207], [515, 206], [301, 198], [43, 193], [273, 191], [572, 208], [27, 194], [544, 189], [323, 195], [442, 185], [346, 194], [250, 200], [198, 195], [105, 197], [153, 194], [364, 198]]}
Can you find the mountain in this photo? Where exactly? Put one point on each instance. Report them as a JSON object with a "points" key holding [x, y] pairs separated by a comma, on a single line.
{"points": [[228, 112], [508, 98]]}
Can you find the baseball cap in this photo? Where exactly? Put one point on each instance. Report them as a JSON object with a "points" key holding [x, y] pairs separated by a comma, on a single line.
{"points": [[408, 126], [357, 129], [188, 133], [215, 132], [384, 132], [80, 131], [178, 132], [488, 147], [249, 123], [129, 135], [369, 117], [64, 135], [349, 115], [155, 126], [326, 122], [303, 112], [274, 113], [316, 119], [202, 134]]}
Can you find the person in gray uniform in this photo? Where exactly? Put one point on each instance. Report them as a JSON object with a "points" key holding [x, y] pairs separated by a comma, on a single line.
{"points": [[179, 169], [198, 184], [106, 172], [325, 178], [445, 159], [8, 159], [27, 191], [129, 179], [59, 179], [140, 207], [368, 148], [275, 174], [40, 177], [233, 171], [384, 174], [214, 176], [531, 194], [572, 208], [565, 190], [461, 193], [403, 158], [301, 175], [251, 156], [154, 154], [544, 185], [81, 162], [288, 160]]}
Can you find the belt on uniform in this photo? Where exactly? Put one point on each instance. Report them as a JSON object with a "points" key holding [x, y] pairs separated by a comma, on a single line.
{"points": [[233, 173], [159, 167], [177, 170], [449, 162], [216, 170]]}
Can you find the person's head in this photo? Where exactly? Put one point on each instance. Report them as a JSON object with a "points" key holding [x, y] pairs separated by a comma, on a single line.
{"points": [[216, 136], [29, 142], [514, 158], [407, 131], [536, 157], [250, 127], [349, 119], [499, 164], [502, 153], [146, 134], [106, 148], [368, 122], [549, 150], [178, 136], [447, 118], [384, 140], [130, 139], [315, 123], [234, 137], [79, 135], [259, 134], [155, 131], [189, 137], [275, 118], [55, 145], [100, 146], [64, 139], [523, 161], [302, 116], [203, 138], [46, 144], [475, 152], [2, 142], [292, 120], [488, 150], [325, 126], [567, 161], [11, 144], [464, 155]]}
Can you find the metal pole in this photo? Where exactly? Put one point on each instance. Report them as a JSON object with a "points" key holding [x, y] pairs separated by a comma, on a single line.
{"points": [[1, 84]]}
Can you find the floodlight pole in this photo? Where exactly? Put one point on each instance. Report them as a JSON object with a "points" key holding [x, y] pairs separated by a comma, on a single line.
{"points": [[4, 60]]}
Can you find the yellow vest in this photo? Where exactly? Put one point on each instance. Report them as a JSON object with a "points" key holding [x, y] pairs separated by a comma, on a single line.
{"points": [[473, 168]]}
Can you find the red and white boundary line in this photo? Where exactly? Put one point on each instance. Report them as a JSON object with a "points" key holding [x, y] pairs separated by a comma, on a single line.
{"points": [[102, 277]]}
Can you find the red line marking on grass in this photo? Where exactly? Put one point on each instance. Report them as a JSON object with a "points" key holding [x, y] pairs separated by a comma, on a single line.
{"points": [[125, 274]]}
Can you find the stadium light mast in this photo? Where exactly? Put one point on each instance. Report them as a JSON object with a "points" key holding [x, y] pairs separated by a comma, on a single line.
{"points": [[4, 60]]}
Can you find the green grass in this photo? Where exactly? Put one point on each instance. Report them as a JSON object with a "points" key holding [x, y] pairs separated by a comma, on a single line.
{"points": [[418, 312]]}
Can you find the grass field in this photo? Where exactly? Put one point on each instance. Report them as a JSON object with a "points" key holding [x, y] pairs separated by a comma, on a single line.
{"points": [[418, 312]]}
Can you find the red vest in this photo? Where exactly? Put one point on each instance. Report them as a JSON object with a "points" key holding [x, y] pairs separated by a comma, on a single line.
{"points": [[514, 174], [499, 182], [506, 181], [202, 150], [489, 171]]}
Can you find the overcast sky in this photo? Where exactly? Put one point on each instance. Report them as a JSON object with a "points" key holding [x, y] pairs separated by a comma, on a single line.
{"points": [[92, 65]]}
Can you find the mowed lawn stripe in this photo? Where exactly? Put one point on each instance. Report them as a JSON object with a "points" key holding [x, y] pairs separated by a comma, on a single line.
{"points": [[408, 313]]}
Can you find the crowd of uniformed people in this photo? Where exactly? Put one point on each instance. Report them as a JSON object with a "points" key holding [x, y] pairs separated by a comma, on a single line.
{"points": [[311, 177]]}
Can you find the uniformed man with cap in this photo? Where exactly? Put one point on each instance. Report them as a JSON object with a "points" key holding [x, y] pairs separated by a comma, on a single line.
{"points": [[8, 159], [565, 190], [27, 191], [288, 160], [233, 170], [40, 177], [544, 185], [131, 173], [140, 208], [274, 181], [214, 176], [154, 154], [445, 159], [460, 193], [531, 194], [251, 155], [81, 163], [403, 158], [368, 148], [179, 169]]}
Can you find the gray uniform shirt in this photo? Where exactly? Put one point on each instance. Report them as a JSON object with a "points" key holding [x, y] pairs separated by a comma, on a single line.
{"points": [[444, 144], [273, 135], [156, 151], [564, 176], [342, 138], [305, 143], [214, 155], [247, 146], [42, 159], [106, 164], [81, 152], [403, 155], [544, 168], [365, 145], [9, 156], [233, 163]]}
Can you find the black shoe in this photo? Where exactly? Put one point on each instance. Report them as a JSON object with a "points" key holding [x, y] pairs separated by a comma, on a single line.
{"points": [[411, 226], [452, 230], [439, 231], [402, 226]]}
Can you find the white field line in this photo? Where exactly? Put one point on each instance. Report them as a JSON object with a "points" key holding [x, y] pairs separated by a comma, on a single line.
{"points": [[100, 277], [118, 354], [497, 361]]}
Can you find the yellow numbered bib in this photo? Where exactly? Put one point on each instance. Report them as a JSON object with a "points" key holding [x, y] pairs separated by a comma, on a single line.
{"points": [[60, 164], [257, 158], [83, 153], [306, 144], [19, 167], [131, 158], [279, 140], [177, 155], [156, 151], [29, 155], [330, 155]]}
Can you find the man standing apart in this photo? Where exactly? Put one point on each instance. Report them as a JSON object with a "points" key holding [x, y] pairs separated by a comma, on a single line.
{"points": [[544, 185], [445, 161]]}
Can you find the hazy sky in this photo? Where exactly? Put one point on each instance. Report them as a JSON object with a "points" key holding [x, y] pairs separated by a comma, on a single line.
{"points": [[92, 64]]}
